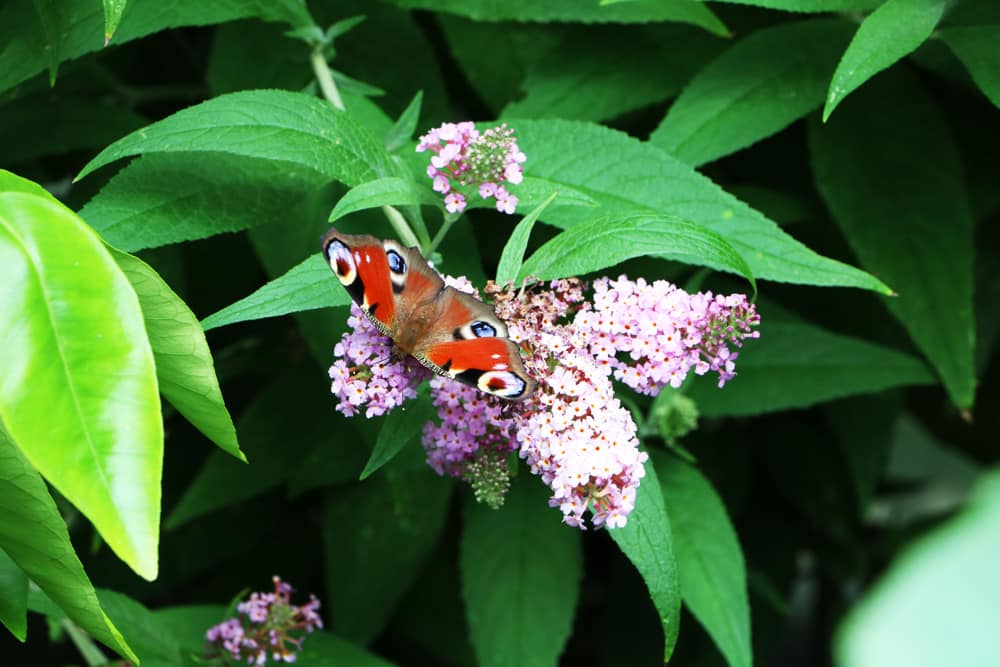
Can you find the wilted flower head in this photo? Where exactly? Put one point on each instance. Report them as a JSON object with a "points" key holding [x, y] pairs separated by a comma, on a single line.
{"points": [[264, 628], [465, 157]]}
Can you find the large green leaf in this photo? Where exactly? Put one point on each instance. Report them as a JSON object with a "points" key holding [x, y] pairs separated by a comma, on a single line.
{"points": [[709, 559], [521, 573], [80, 27], [891, 32], [73, 332], [760, 85], [380, 530], [278, 125], [976, 47], [33, 534], [680, 11], [891, 175], [13, 590], [795, 365], [935, 605], [590, 75], [305, 287], [606, 241], [634, 177], [165, 198], [184, 367], [647, 540]]}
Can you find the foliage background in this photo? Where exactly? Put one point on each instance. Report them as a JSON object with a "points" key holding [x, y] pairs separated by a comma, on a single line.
{"points": [[841, 498]]}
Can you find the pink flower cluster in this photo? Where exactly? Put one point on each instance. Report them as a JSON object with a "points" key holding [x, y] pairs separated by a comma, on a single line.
{"points": [[268, 619], [365, 372], [572, 431], [462, 155], [664, 331]]}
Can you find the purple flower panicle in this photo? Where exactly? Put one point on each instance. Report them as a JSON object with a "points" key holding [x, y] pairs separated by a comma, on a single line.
{"points": [[264, 627], [367, 374]]}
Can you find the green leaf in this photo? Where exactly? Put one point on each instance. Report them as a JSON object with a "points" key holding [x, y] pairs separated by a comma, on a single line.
{"points": [[811, 5], [521, 570], [512, 257], [382, 529], [278, 125], [795, 365], [74, 333], [34, 536], [679, 11], [165, 198], [709, 559], [590, 76], [306, 286], [891, 32], [864, 429], [184, 367], [975, 46], [606, 241], [952, 568], [645, 179], [647, 540], [187, 624], [146, 634], [48, 14], [113, 10], [71, 122], [891, 175], [399, 428], [13, 587], [533, 191], [284, 412], [80, 24], [495, 61], [759, 86], [322, 649], [389, 191], [404, 127]]}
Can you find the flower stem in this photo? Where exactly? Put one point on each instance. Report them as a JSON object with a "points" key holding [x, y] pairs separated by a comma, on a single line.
{"points": [[84, 644], [325, 78], [449, 220], [399, 224]]}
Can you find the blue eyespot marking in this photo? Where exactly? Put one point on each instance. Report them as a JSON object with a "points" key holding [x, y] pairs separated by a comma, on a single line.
{"points": [[396, 262], [483, 330]]}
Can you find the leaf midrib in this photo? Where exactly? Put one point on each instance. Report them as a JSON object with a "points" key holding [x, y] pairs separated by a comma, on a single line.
{"points": [[37, 273]]}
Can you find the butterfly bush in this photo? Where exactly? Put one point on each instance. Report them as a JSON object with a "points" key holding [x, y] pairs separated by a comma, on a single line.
{"points": [[264, 627], [572, 431], [465, 157]]}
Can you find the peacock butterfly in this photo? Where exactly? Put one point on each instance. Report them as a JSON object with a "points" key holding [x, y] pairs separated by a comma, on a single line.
{"points": [[448, 331]]}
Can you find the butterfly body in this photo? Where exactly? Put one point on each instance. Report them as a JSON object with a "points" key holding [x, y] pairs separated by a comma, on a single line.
{"points": [[451, 332]]}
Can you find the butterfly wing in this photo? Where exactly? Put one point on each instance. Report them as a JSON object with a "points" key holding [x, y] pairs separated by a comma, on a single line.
{"points": [[378, 273], [470, 344], [451, 332]]}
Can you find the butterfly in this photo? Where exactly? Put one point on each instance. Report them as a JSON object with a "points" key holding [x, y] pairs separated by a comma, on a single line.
{"points": [[450, 332]]}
